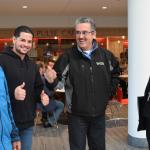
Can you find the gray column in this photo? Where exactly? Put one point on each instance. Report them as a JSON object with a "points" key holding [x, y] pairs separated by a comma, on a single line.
{"points": [[139, 64]]}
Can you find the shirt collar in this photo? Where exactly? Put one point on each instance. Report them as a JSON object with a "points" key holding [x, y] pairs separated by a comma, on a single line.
{"points": [[90, 51]]}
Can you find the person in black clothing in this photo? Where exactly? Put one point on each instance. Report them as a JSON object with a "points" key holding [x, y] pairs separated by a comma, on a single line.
{"points": [[24, 83], [90, 75], [147, 112]]}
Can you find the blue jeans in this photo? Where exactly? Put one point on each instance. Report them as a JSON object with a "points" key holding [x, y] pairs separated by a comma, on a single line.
{"points": [[92, 128], [56, 111], [26, 138]]}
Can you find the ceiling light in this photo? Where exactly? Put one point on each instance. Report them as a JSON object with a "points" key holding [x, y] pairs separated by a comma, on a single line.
{"points": [[118, 41], [123, 37], [24, 7], [104, 7], [55, 37]]}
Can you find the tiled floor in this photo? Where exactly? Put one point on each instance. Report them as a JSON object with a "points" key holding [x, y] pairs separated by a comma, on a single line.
{"points": [[116, 133]]}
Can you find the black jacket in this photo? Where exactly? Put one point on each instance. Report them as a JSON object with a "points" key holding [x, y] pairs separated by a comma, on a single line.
{"points": [[89, 83], [18, 71], [147, 98]]}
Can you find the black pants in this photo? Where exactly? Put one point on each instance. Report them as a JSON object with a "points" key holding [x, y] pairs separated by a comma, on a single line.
{"points": [[148, 131], [92, 128]]}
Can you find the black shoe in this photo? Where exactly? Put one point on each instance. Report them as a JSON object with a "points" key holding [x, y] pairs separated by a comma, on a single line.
{"points": [[43, 120], [44, 115], [46, 124]]}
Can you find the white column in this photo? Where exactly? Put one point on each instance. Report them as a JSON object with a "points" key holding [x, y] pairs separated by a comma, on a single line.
{"points": [[139, 64]]}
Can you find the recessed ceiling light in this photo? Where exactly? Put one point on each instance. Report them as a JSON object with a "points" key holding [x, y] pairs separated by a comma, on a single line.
{"points": [[24, 6], [104, 7], [123, 37]]}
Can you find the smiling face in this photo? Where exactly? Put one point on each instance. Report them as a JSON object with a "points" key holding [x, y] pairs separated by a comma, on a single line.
{"points": [[84, 36], [22, 44]]}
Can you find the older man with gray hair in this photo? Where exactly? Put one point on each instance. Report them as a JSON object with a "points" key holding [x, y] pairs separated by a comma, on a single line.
{"points": [[90, 75]]}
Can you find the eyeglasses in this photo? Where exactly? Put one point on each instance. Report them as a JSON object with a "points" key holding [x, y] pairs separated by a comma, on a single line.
{"points": [[85, 33]]}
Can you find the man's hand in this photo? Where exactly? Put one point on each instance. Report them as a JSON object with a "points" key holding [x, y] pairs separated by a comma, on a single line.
{"points": [[16, 145], [50, 74], [44, 98], [20, 92]]}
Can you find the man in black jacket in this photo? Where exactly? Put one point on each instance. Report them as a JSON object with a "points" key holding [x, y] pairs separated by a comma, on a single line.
{"points": [[24, 83], [90, 75]]}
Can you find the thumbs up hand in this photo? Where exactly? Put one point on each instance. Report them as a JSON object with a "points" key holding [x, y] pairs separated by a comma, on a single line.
{"points": [[44, 98], [16, 145], [50, 74], [20, 92]]}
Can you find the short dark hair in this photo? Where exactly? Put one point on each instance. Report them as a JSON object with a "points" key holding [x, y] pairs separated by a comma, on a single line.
{"points": [[22, 28], [86, 20]]}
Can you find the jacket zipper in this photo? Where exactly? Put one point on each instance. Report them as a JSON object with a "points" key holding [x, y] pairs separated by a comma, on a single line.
{"points": [[92, 89], [91, 70]]}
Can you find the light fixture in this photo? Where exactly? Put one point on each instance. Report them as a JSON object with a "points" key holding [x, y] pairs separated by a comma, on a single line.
{"points": [[55, 37], [24, 6], [104, 7], [123, 37], [118, 41], [47, 44], [5, 44]]}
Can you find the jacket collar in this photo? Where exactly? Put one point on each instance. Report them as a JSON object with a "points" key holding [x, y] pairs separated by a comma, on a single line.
{"points": [[88, 55]]}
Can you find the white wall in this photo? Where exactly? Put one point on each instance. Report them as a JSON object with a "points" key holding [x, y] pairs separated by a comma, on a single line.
{"points": [[58, 21]]}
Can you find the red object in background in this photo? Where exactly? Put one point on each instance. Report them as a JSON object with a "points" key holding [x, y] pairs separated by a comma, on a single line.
{"points": [[119, 94], [124, 101]]}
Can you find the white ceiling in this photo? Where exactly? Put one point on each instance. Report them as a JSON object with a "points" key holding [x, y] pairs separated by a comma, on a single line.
{"points": [[63, 8]]}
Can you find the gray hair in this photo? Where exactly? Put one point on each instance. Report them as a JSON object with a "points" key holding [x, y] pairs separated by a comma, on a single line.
{"points": [[86, 20]]}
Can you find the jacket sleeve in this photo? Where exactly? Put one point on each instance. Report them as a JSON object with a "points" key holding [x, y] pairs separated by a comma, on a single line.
{"points": [[147, 89], [115, 72], [114, 75], [15, 131], [38, 86], [61, 68]]}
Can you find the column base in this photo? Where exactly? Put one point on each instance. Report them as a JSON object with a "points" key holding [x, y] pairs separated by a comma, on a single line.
{"points": [[137, 142]]}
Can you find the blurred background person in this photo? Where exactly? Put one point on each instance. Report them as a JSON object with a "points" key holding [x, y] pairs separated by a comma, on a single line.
{"points": [[51, 112]]}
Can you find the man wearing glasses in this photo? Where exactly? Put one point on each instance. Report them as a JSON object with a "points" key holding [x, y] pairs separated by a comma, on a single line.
{"points": [[90, 76]]}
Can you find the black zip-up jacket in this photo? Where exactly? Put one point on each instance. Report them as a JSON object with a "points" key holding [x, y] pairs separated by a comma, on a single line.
{"points": [[147, 100], [18, 71], [89, 83]]}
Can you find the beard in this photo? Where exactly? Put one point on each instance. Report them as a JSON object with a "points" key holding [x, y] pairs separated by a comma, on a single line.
{"points": [[20, 52]]}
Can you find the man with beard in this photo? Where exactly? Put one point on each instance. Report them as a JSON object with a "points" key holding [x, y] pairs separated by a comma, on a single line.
{"points": [[24, 83]]}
